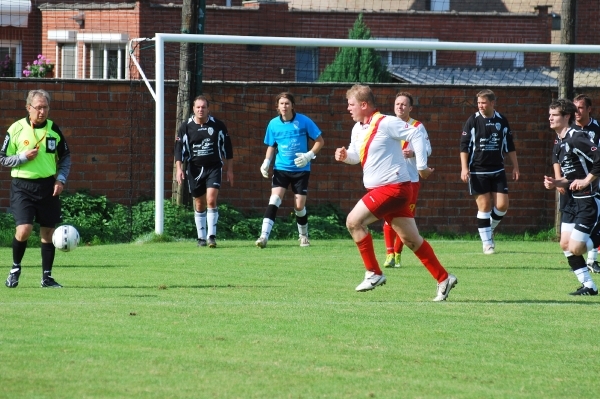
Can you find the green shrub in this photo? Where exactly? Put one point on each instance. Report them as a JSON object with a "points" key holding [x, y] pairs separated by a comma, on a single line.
{"points": [[101, 222]]}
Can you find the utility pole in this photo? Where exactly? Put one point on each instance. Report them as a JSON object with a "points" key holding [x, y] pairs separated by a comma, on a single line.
{"points": [[179, 193], [566, 75], [566, 71], [201, 14]]}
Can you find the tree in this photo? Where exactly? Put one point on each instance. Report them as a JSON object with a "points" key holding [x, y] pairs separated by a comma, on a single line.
{"points": [[353, 64]]}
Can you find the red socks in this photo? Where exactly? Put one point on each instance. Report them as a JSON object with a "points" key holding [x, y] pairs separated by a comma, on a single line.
{"points": [[389, 234], [430, 261], [367, 252]]}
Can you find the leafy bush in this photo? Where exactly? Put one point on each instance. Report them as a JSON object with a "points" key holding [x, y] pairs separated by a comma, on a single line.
{"points": [[101, 222]]}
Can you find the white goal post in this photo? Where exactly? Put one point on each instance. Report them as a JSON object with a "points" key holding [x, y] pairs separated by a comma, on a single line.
{"points": [[161, 38]]}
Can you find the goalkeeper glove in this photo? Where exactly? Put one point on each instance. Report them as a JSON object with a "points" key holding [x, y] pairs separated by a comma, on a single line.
{"points": [[304, 158], [264, 168]]}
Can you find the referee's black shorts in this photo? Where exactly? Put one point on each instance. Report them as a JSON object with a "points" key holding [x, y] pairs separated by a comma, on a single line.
{"points": [[32, 200]]}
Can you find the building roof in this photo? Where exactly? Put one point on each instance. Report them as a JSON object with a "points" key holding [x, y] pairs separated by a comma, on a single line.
{"points": [[497, 6], [537, 77], [85, 6]]}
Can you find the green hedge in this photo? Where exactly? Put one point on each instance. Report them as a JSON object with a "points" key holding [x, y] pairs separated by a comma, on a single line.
{"points": [[101, 222]]}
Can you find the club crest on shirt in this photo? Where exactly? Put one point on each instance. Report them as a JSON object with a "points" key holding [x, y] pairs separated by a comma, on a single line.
{"points": [[26, 142], [498, 126], [211, 131], [51, 144], [296, 125], [567, 148]]}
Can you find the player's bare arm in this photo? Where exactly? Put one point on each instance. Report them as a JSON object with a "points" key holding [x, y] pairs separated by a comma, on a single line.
{"points": [[580, 184], [515, 164], [464, 168]]}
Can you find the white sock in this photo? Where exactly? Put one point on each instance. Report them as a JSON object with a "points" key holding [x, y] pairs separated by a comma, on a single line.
{"points": [[213, 217], [484, 232], [200, 219], [592, 256], [267, 225], [583, 275], [494, 222]]}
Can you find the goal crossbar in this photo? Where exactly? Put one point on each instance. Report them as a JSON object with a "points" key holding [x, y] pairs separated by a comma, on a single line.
{"points": [[161, 38]]}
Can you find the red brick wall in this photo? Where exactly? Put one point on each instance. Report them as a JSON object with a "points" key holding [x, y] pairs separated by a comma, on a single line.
{"points": [[110, 129]]}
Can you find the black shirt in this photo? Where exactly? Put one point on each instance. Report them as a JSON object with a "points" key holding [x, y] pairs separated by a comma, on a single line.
{"points": [[203, 145], [578, 156], [486, 140]]}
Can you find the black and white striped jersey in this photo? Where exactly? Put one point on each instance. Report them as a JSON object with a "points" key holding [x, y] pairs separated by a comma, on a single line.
{"points": [[486, 140]]}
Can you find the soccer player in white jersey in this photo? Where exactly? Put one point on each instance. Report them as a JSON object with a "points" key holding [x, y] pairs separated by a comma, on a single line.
{"points": [[393, 244], [375, 144]]}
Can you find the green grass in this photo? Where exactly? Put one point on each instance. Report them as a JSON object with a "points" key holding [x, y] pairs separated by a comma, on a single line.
{"points": [[170, 320]]}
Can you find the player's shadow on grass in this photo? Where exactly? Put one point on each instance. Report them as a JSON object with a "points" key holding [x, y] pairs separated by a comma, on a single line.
{"points": [[591, 302], [96, 266], [167, 287]]}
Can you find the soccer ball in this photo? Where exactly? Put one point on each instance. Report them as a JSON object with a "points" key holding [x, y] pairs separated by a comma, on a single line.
{"points": [[65, 238]]}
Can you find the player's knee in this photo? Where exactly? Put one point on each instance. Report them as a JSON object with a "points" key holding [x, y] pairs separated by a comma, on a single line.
{"points": [[275, 200], [577, 248]]}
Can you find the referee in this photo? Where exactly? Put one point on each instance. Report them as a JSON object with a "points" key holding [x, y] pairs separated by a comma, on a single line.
{"points": [[36, 150]]}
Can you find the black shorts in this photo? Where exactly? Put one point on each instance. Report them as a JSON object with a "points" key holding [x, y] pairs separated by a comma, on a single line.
{"points": [[587, 212], [298, 181], [32, 200], [201, 177], [484, 183]]}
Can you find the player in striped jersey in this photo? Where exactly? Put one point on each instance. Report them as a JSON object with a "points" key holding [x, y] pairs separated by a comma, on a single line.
{"points": [[375, 144], [584, 121], [393, 244], [485, 139], [579, 161]]}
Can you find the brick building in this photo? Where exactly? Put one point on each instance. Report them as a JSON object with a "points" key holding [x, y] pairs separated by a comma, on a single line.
{"points": [[88, 39]]}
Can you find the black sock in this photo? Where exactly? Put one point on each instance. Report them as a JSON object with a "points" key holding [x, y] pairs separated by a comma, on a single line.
{"points": [[576, 262], [18, 248], [48, 251]]}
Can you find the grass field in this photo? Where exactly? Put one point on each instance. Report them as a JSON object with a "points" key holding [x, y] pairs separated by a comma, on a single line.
{"points": [[172, 320]]}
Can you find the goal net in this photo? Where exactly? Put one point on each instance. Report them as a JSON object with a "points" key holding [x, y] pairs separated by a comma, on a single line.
{"points": [[243, 96]]}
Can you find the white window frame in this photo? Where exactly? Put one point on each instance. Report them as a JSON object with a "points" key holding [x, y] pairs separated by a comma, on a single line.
{"points": [[518, 57], [18, 56], [62, 37], [106, 42], [391, 50]]}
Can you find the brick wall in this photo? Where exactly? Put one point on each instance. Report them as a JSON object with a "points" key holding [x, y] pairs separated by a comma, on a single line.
{"points": [[110, 129]]}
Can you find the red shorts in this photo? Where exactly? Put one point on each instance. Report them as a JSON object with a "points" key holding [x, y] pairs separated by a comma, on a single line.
{"points": [[416, 185], [391, 201]]}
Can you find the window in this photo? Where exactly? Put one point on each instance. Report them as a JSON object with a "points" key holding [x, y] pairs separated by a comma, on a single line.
{"points": [[10, 59], [500, 59], [107, 61], [416, 58], [439, 5], [307, 64], [68, 61]]}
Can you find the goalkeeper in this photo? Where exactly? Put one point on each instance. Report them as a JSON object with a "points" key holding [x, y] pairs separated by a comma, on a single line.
{"points": [[287, 139]]}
